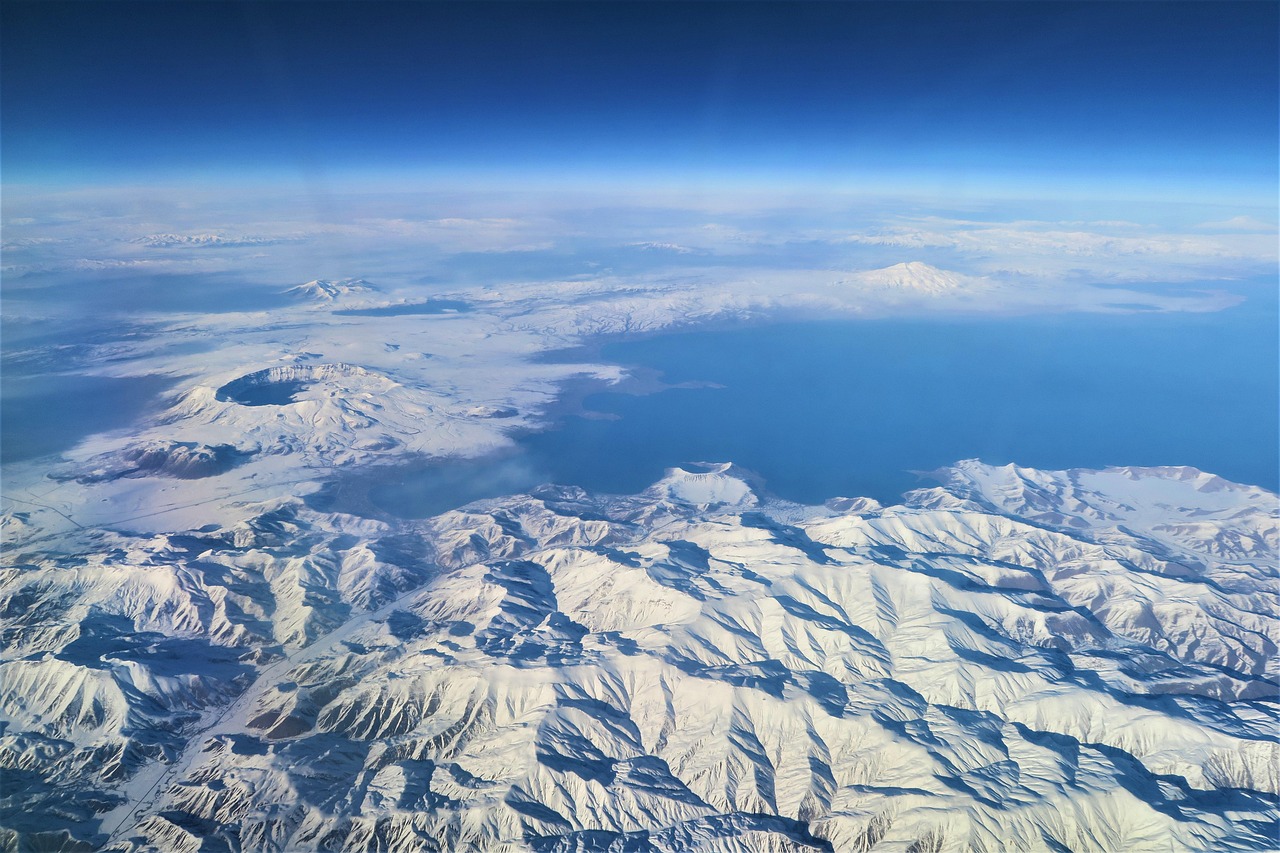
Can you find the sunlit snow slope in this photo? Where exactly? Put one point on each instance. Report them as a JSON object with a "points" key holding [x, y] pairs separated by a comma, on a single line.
{"points": [[1014, 660]]}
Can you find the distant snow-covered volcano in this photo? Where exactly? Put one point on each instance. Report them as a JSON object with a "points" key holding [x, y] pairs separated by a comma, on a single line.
{"points": [[915, 277]]}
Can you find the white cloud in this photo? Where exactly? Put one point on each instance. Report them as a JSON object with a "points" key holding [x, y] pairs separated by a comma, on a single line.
{"points": [[1238, 223]]}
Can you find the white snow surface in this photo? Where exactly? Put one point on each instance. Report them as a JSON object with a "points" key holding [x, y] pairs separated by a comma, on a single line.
{"points": [[1013, 660]]}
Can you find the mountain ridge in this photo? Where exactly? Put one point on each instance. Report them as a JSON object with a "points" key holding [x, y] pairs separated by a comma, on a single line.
{"points": [[700, 665]]}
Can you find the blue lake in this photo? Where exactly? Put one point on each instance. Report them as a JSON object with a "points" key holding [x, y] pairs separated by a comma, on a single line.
{"points": [[264, 393], [45, 415], [822, 409]]}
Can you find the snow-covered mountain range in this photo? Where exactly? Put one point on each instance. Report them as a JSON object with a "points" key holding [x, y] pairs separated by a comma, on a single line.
{"points": [[169, 241], [1011, 660]]}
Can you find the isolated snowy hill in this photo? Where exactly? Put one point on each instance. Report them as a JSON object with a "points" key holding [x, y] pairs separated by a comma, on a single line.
{"points": [[320, 290], [1013, 660]]}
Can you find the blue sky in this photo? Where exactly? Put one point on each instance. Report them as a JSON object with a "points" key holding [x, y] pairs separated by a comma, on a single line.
{"points": [[1179, 96]]}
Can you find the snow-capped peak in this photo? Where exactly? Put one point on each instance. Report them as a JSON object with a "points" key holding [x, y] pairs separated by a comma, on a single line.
{"points": [[707, 484], [917, 277]]}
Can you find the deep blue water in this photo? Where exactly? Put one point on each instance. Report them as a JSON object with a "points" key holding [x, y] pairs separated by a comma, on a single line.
{"points": [[823, 409], [854, 407], [851, 408]]}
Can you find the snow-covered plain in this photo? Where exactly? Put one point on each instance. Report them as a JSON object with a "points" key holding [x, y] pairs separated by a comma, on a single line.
{"points": [[196, 657]]}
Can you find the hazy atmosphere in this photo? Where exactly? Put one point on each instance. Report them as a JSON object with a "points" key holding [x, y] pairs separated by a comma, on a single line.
{"points": [[639, 426]]}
